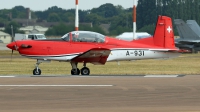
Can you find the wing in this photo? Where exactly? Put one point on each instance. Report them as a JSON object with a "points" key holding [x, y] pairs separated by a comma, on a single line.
{"points": [[95, 56]]}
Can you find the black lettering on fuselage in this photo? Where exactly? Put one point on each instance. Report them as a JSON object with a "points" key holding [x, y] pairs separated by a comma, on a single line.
{"points": [[127, 53], [135, 53]]}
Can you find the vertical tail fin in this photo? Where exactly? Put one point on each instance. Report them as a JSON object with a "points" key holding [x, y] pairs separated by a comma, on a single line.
{"points": [[194, 26], [164, 35], [185, 32]]}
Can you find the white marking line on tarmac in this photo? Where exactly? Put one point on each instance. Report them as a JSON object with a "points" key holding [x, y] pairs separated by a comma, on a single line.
{"points": [[91, 76], [6, 76], [56, 85], [161, 76]]}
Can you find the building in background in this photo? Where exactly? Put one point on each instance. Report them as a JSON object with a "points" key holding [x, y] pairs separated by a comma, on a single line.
{"points": [[34, 29], [5, 37]]}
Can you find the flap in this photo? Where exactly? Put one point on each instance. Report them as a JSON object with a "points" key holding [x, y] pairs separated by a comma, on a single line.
{"points": [[95, 56]]}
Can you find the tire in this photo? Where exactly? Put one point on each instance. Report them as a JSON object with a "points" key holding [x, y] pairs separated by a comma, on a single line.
{"points": [[35, 72], [74, 72], [85, 71]]}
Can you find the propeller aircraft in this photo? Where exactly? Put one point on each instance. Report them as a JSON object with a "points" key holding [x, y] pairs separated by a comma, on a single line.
{"points": [[91, 47]]}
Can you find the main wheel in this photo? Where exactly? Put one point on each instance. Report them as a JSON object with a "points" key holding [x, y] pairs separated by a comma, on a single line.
{"points": [[75, 72], [37, 72], [85, 71]]}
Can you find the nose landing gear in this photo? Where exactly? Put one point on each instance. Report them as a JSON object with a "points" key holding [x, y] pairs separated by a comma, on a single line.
{"points": [[37, 71]]}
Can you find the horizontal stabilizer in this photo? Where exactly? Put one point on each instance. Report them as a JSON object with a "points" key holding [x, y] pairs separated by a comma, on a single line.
{"points": [[163, 50]]}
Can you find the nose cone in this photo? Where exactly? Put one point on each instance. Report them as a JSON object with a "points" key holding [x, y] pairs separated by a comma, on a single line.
{"points": [[11, 45]]}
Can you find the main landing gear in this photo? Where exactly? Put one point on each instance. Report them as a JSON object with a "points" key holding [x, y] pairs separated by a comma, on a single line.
{"points": [[76, 71]]}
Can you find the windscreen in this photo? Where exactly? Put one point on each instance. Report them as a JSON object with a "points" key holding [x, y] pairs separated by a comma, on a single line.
{"points": [[85, 36]]}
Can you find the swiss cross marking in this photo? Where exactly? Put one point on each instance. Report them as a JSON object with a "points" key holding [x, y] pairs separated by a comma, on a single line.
{"points": [[169, 29]]}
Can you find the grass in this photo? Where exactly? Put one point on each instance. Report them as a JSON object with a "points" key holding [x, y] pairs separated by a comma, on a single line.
{"points": [[8, 53], [185, 64]]}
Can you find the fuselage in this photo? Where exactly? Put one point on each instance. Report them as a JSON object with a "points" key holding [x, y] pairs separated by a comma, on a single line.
{"points": [[61, 50]]}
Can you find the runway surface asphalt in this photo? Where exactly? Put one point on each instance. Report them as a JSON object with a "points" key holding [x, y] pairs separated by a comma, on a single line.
{"points": [[100, 94]]}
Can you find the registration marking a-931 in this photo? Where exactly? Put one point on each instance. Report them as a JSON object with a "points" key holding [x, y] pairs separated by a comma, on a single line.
{"points": [[135, 53]]}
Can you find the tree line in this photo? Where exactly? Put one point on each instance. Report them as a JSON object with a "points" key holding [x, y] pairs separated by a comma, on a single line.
{"points": [[119, 18]]}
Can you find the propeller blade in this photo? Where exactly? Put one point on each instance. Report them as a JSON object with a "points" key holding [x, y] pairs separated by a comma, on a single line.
{"points": [[16, 46], [11, 55]]}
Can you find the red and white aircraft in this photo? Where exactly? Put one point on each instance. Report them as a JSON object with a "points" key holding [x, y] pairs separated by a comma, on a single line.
{"points": [[91, 47]]}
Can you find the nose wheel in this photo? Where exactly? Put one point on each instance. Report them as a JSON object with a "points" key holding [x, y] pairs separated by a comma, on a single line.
{"points": [[37, 71]]}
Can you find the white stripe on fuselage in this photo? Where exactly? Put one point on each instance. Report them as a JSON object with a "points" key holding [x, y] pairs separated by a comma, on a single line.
{"points": [[64, 57], [116, 55], [121, 55]]}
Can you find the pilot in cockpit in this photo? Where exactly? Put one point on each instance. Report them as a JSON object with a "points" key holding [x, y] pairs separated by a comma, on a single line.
{"points": [[75, 36]]}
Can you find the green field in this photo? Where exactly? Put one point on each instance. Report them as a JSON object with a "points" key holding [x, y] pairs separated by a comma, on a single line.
{"points": [[185, 64]]}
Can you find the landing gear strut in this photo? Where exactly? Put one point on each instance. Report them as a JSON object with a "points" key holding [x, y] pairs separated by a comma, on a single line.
{"points": [[75, 70]]}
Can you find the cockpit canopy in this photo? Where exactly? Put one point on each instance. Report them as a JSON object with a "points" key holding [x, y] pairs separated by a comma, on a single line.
{"points": [[84, 36]]}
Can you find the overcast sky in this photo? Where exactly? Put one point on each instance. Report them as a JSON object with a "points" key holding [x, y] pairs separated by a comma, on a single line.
{"points": [[41, 5]]}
